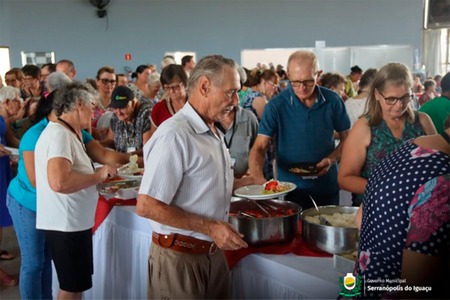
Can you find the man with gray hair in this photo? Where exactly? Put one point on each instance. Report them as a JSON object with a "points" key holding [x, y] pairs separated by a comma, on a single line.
{"points": [[188, 202]]}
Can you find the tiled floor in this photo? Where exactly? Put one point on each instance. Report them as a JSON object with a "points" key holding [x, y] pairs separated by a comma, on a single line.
{"points": [[10, 244]]}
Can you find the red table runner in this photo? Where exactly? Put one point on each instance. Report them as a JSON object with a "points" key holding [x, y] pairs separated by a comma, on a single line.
{"points": [[297, 247], [104, 207]]}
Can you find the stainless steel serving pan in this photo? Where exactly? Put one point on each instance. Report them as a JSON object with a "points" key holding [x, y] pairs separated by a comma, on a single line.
{"points": [[265, 229], [331, 239]]}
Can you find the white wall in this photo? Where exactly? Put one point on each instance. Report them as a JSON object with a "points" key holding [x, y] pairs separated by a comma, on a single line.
{"points": [[149, 28], [336, 59]]}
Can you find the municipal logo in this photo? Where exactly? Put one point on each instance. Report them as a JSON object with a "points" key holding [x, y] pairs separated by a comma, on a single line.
{"points": [[350, 285]]}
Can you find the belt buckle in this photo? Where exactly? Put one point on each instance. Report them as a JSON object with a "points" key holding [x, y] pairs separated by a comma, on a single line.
{"points": [[212, 249]]}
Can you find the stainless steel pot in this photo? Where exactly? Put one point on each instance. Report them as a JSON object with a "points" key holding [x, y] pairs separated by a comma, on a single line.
{"points": [[265, 229], [334, 240]]}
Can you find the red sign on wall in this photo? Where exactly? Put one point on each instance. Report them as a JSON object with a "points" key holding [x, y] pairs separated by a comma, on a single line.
{"points": [[128, 56]]}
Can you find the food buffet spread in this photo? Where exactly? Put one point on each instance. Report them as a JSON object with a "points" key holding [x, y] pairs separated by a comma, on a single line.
{"points": [[271, 226]]}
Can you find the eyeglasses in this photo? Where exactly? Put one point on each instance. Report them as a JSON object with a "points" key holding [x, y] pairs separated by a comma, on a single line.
{"points": [[231, 93], [173, 88], [28, 78], [272, 84], [307, 83], [392, 100], [106, 81]]}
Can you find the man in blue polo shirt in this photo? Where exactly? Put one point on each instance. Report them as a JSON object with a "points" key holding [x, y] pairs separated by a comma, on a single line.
{"points": [[304, 118]]}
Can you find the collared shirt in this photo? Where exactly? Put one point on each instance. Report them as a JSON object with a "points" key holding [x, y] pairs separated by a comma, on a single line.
{"points": [[188, 166], [305, 135], [240, 139]]}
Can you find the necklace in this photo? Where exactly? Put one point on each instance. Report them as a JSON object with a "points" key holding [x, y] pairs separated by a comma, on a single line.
{"points": [[228, 143], [71, 129], [101, 104], [79, 139]]}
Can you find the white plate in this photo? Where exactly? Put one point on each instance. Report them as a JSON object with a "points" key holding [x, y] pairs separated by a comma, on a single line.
{"points": [[14, 151], [256, 191], [122, 193], [129, 176]]}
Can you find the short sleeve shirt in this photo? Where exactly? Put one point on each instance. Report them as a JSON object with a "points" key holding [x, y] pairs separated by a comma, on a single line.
{"points": [[305, 135], [130, 135], [188, 166], [160, 113], [59, 211]]}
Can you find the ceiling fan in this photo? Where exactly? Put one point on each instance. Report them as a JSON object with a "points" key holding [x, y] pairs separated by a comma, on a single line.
{"points": [[100, 4]]}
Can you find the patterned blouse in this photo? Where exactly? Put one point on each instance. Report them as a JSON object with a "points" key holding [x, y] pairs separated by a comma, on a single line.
{"points": [[130, 135], [383, 142], [406, 206], [247, 102]]}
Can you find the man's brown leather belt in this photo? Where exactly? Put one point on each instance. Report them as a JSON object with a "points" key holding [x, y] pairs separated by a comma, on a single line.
{"points": [[183, 243]]}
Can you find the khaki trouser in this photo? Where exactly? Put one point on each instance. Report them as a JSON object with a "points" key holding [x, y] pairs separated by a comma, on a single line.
{"points": [[177, 275]]}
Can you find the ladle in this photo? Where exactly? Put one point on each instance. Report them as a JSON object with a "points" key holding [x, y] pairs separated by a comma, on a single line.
{"points": [[243, 214], [261, 208], [314, 202], [322, 220]]}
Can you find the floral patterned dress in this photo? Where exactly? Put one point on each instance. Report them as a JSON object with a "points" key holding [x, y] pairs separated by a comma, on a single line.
{"points": [[406, 206]]}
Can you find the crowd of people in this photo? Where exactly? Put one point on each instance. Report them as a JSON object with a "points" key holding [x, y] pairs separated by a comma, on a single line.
{"points": [[202, 130]]}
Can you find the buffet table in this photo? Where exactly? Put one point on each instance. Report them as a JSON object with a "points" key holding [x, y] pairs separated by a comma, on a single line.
{"points": [[121, 246]]}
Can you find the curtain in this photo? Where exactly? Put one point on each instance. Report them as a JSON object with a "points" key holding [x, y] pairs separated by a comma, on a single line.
{"points": [[432, 51]]}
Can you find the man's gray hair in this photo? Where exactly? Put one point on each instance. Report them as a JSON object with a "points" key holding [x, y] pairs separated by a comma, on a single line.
{"points": [[212, 67], [57, 80], [68, 96]]}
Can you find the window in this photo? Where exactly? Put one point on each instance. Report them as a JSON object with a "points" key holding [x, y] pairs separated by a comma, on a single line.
{"points": [[445, 51]]}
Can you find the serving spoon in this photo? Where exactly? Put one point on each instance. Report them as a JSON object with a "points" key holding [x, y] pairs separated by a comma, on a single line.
{"points": [[322, 220], [314, 202]]}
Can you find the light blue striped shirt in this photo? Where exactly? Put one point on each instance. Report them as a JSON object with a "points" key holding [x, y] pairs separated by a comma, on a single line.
{"points": [[188, 166]]}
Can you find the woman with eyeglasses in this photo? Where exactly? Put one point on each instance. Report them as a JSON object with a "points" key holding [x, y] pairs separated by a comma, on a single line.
{"points": [[388, 121], [105, 82], [264, 85], [174, 82]]}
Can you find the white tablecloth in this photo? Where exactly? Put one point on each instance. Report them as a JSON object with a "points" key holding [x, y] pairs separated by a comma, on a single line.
{"points": [[121, 246]]}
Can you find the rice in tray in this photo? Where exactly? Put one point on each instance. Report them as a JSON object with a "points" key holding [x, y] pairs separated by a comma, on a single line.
{"points": [[336, 219]]}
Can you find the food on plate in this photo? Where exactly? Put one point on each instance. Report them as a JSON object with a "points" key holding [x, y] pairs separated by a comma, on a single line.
{"points": [[307, 169], [336, 219], [115, 186], [113, 179], [274, 186]]}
